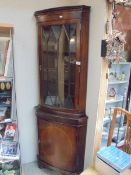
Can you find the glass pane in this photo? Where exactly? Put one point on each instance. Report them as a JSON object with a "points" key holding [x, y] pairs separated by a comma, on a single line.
{"points": [[59, 56]]}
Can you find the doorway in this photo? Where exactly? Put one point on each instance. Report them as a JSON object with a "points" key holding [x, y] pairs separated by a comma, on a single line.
{"points": [[122, 23]]}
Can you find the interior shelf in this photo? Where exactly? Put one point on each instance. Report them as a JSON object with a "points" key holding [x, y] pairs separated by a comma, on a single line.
{"points": [[117, 82], [8, 120], [5, 94], [121, 63], [5, 105], [114, 101], [3, 79]]}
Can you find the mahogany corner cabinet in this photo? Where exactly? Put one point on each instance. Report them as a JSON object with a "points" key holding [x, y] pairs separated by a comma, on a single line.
{"points": [[63, 59]]}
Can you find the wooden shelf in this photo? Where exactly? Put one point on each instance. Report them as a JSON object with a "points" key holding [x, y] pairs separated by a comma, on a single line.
{"points": [[6, 29], [6, 25]]}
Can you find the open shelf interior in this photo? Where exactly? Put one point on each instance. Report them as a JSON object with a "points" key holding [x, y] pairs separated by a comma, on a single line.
{"points": [[9, 136], [118, 82]]}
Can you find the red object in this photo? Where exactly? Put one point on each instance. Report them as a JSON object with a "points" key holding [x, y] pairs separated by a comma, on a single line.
{"points": [[10, 131]]}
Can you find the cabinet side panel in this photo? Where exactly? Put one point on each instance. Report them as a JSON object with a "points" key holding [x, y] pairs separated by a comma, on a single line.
{"points": [[84, 57], [81, 147]]}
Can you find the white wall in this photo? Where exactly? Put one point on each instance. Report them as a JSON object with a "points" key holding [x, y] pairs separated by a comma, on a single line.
{"points": [[97, 26], [20, 13]]}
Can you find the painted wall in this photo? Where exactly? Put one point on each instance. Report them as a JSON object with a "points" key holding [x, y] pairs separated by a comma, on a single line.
{"points": [[20, 13]]}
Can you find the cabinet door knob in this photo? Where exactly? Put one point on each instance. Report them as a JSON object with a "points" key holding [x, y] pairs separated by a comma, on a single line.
{"points": [[78, 63], [40, 67]]}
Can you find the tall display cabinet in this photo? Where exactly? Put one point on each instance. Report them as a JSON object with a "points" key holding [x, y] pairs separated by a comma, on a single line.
{"points": [[9, 137], [63, 57]]}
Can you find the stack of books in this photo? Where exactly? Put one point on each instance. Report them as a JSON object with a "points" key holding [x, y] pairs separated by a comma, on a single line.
{"points": [[9, 148], [112, 161]]}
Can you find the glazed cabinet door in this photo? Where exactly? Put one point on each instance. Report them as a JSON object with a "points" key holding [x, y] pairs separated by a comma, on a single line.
{"points": [[60, 64]]}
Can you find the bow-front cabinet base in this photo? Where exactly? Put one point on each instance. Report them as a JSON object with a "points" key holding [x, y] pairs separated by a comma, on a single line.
{"points": [[61, 138]]}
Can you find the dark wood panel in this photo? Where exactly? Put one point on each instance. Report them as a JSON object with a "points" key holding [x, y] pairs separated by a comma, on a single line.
{"points": [[61, 144], [68, 117], [57, 144], [60, 13]]}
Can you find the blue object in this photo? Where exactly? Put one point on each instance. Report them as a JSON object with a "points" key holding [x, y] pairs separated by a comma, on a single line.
{"points": [[115, 157]]}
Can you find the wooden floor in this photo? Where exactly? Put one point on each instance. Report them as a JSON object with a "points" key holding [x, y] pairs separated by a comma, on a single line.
{"points": [[32, 169]]}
